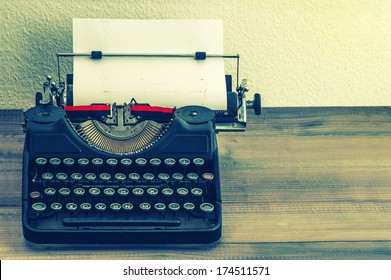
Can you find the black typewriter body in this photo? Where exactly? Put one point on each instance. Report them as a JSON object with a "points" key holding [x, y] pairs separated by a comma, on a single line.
{"points": [[166, 192]]}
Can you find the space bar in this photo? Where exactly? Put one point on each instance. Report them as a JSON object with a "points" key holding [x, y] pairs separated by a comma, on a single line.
{"points": [[119, 222]]}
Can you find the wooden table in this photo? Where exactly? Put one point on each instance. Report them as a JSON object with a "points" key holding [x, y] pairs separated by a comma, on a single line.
{"points": [[300, 183]]}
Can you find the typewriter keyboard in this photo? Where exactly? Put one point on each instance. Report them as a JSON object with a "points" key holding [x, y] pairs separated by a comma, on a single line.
{"points": [[137, 193]]}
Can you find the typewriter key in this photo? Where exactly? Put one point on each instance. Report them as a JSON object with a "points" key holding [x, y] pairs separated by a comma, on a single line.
{"points": [[160, 206], [47, 176], [112, 161], [64, 191], [68, 161], [192, 176], [90, 176], [41, 161], [148, 176], [35, 195], [83, 161], [126, 161], [141, 161], [138, 191], [155, 161], [55, 161], [134, 176], [184, 161], [167, 192], [198, 161], [127, 206], [123, 191], [97, 161], [115, 207], [145, 206], [61, 176], [174, 206], [208, 176], [163, 176], [94, 191], [100, 206], [120, 176], [169, 161], [79, 191], [105, 176], [189, 206], [50, 191], [56, 206], [177, 176], [71, 206], [196, 192], [39, 207], [76, 176], [182, 191], [85, 206], [152, 191], [207, 207], [109, 191]]}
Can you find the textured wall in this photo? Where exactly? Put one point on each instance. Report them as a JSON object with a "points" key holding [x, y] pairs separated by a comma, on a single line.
{"points": [[295, 52]]}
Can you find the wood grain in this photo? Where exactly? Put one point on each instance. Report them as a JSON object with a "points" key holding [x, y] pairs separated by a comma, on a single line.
{"points": [[300, 183]]}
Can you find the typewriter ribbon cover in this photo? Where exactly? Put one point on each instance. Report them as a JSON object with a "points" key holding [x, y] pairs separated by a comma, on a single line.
{"points": [[161, 81]]}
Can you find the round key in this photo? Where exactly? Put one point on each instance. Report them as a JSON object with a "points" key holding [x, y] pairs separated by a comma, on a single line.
{"points": [[184, 161], [79, 191], [35, 195], [152, 191], [141, 161], [145, 206], [182, 191], [49, 191], [41, 161], [100, 207], [109, 191], [134, 176], [123, 191], [68, 161], [94, 191], [105, 176], [196, 192], [115, 207], [192, 176], [47, 176], [56, 206], [148, 176], [71, 207], [39, 207], [174, 206], [189, 206], [126, 161], [155, 161], [83, 161], [177, 176], [64, 191], [97, 161], [208, 176], [127, 206], [207, 207], [76, 176], [90, 176], [85, 206], [160, 207], [167, 192], [198, 162], [112, 161], [120, 176], [163, 176], [55, 161], [169, 161], [61, 176], [138, 191]]}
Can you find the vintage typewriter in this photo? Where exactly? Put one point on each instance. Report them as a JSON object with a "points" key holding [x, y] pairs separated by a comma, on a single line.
{"points": [[124, 173]]}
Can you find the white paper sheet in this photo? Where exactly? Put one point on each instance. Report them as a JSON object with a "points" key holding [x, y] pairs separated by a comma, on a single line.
{"points": [[158, 81]]}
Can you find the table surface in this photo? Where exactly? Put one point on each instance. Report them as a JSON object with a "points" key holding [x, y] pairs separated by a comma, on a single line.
{"points": [[300, 183]]}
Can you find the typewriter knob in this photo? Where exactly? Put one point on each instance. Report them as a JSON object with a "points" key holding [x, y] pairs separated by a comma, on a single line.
{"points": [[255, 104]]}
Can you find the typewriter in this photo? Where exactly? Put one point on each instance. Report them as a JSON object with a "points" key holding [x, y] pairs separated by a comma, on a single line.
{"points": [[124, 173]]}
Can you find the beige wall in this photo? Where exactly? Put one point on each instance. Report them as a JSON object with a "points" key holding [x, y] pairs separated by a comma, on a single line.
{"points": [[296, 53]]}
